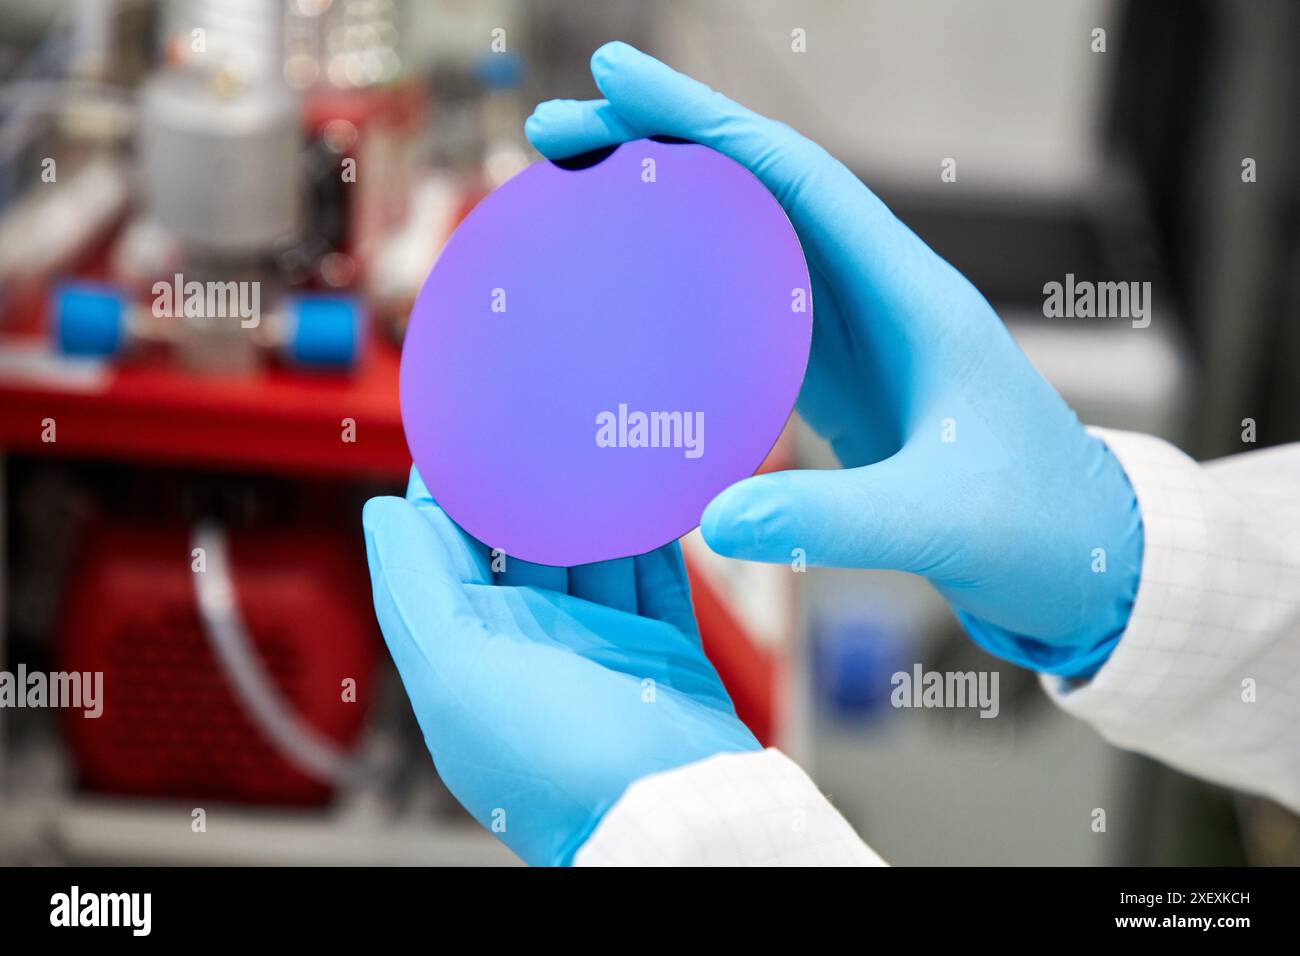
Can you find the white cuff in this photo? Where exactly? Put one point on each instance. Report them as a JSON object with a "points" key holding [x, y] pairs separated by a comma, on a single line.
{"points": [[1205, 676], [737, 809]]}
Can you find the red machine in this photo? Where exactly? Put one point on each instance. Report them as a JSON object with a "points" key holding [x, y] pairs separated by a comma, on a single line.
{"points": [[173, 725]]}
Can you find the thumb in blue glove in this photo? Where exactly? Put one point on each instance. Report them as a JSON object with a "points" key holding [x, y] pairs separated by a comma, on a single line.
{"points": [[961, 463], [542, 692]]}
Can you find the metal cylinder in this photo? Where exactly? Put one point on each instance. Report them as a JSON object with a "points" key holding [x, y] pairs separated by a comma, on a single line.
{"points": [[220, 159]]}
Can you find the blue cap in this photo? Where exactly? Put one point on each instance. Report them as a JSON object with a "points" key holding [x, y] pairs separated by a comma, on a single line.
{"points": [[326, 331], [89, 319]]}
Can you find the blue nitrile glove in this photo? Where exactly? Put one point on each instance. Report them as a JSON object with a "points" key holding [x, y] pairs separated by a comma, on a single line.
{"points": [[961, 463], [542, 692]]}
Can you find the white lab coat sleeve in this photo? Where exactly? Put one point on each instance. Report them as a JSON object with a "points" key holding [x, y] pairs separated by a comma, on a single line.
{"points": [[737, 809], [1206, 676]]}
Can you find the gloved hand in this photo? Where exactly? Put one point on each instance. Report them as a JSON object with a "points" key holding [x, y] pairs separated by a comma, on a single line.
{"points": [[961, 463], [542, 692]]}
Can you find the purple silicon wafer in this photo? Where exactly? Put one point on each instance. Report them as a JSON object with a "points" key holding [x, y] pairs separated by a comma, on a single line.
{"points": [[664, 280]]}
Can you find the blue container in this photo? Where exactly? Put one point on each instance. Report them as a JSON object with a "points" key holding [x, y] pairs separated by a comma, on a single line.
{"points": [[853, 660]]}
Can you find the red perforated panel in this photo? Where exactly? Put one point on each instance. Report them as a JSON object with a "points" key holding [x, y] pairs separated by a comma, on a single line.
{"points": [[171, 724]]}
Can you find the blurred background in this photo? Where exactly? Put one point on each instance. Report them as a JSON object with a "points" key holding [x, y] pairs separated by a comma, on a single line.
{"points": [[321, 151]]}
